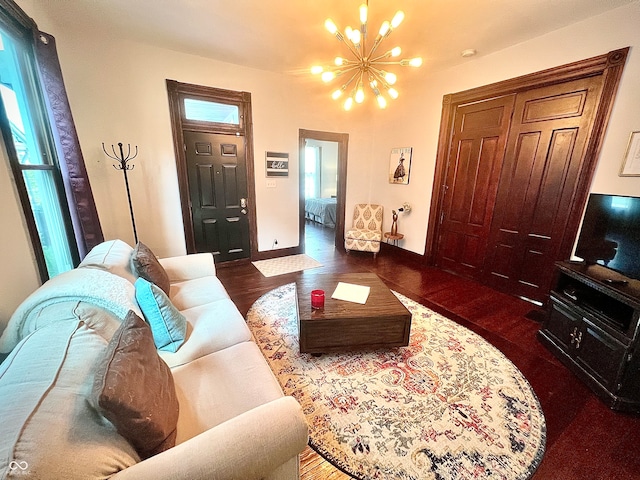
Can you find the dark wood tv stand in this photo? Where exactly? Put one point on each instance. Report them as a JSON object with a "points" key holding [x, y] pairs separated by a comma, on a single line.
{"points": [[593, 327]]}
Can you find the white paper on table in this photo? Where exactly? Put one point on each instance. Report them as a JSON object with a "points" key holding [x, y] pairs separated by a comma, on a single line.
{"points": [[351, 292]]}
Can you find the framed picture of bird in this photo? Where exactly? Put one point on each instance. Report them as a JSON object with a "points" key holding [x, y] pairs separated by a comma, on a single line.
{"points": [[400, 165]]}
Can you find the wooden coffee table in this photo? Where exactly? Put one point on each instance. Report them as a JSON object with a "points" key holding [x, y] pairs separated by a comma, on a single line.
{"points": [[383, 321]]}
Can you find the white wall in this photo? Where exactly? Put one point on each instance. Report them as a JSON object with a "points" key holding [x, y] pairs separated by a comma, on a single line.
{"points": [[414, 119], [134, 108]]}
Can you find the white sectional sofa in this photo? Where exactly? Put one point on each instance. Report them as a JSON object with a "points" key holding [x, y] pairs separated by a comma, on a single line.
{"points": [[233, 421]]}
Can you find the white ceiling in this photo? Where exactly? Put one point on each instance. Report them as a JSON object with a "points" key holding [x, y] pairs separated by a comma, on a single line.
{"points": [[289, 35]]}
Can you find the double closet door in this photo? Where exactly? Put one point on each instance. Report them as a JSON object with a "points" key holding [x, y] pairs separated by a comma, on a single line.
{"points": [[517, 172]]}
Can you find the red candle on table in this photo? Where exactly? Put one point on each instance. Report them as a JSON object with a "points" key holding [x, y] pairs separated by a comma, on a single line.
{"points": [[317, 299]]}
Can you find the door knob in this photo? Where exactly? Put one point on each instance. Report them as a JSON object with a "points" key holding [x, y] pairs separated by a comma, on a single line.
{"points": [[243, 203]]}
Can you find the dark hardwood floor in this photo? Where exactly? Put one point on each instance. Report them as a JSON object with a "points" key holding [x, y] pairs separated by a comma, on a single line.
{"points": [[585, 440]]}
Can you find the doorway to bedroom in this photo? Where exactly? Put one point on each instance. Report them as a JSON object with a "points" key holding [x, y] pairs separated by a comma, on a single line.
{"points": [[323, 167]]}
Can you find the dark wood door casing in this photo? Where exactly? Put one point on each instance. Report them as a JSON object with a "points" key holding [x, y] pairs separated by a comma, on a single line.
{"points": [[342, 139], [177, 91], [609, 67]]}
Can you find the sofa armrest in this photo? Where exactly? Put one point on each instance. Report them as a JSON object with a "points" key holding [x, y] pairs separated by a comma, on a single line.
{"points": [[247, 447], [188, 267]]}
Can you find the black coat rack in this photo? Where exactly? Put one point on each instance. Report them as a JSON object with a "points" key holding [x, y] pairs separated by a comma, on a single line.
{"points": [[123, 164]]}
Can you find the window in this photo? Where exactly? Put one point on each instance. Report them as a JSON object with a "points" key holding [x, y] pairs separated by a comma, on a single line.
{"points": [[311, 172], [32, 154], [206, 111]]}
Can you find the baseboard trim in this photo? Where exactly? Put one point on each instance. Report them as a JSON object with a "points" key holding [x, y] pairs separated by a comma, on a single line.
{"points": [[281, 252], [401, 253]]}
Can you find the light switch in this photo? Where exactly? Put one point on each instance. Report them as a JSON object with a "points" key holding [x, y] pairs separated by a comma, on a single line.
{"points": [[271, 183]]}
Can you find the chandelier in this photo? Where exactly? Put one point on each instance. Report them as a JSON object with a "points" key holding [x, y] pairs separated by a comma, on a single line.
{"points": [[365, 67]]}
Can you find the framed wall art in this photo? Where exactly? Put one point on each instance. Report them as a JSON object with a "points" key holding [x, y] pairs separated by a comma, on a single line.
{"points": [[400, 165], [631, 161], [277, 164]]}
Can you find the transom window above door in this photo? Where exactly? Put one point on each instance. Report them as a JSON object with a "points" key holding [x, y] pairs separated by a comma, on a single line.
{"points": [[214, 112]]}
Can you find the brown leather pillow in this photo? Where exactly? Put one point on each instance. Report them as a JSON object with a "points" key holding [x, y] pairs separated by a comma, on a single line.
{"points": [[148, 267], [133, 388]]}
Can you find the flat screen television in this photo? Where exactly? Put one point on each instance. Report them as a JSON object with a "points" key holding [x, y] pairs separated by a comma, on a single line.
{"points": [[610, 233]]}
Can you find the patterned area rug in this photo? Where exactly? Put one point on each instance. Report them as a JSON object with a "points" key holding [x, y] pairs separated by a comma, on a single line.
{"points": [[288, 264], [448, 406]]}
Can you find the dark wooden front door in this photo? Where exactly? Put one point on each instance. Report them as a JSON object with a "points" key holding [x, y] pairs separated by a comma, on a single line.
{"points": [[545, 152], [474, 165], [218, 194]]}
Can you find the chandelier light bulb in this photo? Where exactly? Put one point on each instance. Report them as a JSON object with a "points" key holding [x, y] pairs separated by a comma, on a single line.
{"points": [[348, 31], [382, 102], [364, 11], [317, 69], [336, 94], [360, 94], [348, 103], [339, 61], [328, 76], [412, 62], [390, 77], [329, 25], [397, 19], [384, 28], [395, 52], [393, 93], [356, 37]]}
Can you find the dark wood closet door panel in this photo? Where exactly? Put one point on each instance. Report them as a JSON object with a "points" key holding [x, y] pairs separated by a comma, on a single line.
{"points": [[544, 156], [475, 159], [469, 185], [557, 173], [550, 157]]}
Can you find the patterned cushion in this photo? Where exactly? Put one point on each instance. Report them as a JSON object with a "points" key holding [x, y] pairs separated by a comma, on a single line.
{"points": [[368, 216], [362, 245], [363, 235]]}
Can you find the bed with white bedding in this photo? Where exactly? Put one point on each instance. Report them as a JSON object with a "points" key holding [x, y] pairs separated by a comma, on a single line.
{"points": [[321, 210]]}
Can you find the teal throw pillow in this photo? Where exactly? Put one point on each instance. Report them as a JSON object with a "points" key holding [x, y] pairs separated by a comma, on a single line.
{"points": [[168, 325]]}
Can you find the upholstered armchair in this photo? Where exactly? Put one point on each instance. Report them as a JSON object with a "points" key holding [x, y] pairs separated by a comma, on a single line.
{"points": [[366, 232]]}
